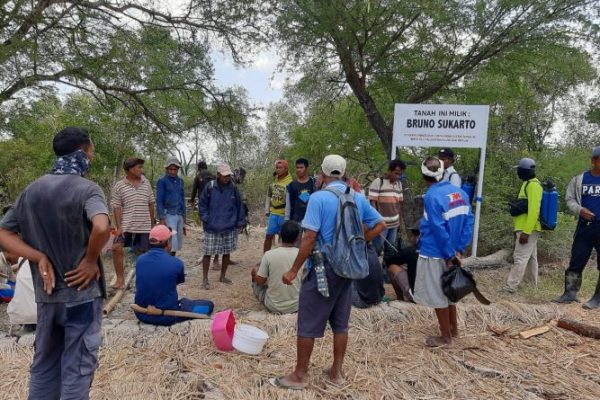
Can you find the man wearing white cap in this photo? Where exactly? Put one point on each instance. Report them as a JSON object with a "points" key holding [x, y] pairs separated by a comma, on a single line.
{"points": [[222, 213], [315, 309], [170, 202]]}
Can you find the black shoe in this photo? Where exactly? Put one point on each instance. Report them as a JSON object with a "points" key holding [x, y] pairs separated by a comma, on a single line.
{"points": [[594, 302], [572, 286]]}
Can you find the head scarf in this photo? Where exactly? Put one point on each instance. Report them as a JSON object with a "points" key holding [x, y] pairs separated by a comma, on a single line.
{"points": [[283, 163]]}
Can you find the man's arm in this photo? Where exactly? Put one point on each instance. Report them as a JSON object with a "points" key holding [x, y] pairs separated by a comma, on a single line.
{"points": [[118, 216], [372, 233], [160, 201], [88, 267], [13, 242], [306, 246], [438, 227], [194, 188]]}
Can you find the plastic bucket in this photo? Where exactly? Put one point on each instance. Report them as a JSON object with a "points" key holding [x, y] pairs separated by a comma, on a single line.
{"points": [[222, 330], [249, 339]]}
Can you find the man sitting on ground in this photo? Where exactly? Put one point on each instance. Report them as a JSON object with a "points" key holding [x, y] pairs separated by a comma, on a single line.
{"points": [[157, 274], [402, 267], [268, 287], [369, 291]]}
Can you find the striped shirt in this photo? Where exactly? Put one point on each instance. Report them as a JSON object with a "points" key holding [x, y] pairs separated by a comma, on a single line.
{"points": [[135, 203], [387, 197]]}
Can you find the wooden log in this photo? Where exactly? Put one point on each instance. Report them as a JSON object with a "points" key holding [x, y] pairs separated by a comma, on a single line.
{"points": [[540, 330], [118, 294], [151, 310], [495, 260], [579, 327]]}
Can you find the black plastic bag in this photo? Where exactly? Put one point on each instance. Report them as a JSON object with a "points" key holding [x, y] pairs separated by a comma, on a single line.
{"points": [[458, 282]]}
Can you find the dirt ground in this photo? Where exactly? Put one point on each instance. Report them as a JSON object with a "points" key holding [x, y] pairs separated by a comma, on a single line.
{"points": [[386, 359]]}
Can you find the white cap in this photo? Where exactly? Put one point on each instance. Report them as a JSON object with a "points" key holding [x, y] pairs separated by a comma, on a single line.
{"points": [[172, 161], [224, 170], [334, 165], [438, 174]]}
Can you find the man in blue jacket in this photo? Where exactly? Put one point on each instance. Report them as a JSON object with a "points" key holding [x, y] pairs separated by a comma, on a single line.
{"points": [[446, 230], [170, 202], [222, 214]]}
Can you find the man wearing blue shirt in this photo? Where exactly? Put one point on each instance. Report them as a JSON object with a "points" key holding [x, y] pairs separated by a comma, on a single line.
{"points": [[314, 310], [170, 202], [157, 274], [446, 231]]}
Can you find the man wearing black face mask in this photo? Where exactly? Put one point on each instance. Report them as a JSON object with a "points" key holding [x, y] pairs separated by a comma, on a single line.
{"points": [[527, 228]]}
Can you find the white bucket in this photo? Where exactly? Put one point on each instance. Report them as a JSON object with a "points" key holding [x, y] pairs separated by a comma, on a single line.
{"points": [[249, 339]]}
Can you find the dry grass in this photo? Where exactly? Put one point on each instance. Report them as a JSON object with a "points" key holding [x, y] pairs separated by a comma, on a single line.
{"points": [[385, 360]]}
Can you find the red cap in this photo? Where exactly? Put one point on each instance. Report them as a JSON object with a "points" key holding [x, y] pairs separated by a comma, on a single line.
{"points": [[161, 233]]}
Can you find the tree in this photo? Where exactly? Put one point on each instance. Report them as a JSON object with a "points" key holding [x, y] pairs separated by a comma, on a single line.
{"points": [[134, 52], [390, 52]]}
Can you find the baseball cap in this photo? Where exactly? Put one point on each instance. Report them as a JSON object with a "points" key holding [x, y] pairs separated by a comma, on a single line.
{"points": [[596, 152], [132, 162], [161, 233], [172, 161], [224, 170], [333, 165], [445, 152], [526, 163]]}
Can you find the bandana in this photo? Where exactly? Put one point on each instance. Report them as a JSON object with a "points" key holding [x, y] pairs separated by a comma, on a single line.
{"points": [[433, 174], [75, 163]]}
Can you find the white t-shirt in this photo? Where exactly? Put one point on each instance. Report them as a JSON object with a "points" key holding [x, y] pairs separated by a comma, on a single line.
{"points": [[452, 176], [280, 298]]}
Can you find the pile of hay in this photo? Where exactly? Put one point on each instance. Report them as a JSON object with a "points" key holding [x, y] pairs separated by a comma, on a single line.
{"points": [[386, 359]]}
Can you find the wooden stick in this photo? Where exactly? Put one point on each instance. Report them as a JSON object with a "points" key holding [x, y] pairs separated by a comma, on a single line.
{"points": [[579, 328], [118, 295], [540, 330], [151, 310]]}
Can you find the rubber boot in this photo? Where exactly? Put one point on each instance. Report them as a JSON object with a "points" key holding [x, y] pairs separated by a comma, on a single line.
{"points": [[572, 286], [594, 302]]}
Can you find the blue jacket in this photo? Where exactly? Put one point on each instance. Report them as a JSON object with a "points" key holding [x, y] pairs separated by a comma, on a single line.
{"points": [[221, 208], [447, 224], [170, 198]]}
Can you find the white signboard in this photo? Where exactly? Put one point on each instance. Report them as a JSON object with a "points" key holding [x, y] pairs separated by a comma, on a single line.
{"points": [[440, 125]]}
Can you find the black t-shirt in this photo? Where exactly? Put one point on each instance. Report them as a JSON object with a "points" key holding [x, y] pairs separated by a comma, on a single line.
{"points": [[299, 193], [405, 256], [53, 215]]}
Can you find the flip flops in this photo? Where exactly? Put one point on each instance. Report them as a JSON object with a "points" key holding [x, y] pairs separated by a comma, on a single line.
{"points": [[339, 382], [281, 382]]}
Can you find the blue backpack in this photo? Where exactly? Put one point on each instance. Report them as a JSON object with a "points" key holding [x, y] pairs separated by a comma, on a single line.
{"points": [[549, 208], [347, 255]]}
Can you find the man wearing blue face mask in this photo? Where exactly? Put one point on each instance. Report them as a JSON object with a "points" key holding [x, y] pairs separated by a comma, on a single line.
{"points": [[60, 224]]}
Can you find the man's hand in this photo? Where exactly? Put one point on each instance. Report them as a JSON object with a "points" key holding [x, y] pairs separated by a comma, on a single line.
{"points": [[47, 273], [118, 232], [253, 273], [289, 277], [587, 214], [523, 238], [184, 231], [83, 274]]}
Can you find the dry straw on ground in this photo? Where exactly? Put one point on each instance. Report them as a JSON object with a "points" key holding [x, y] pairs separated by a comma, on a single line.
{"points": [[385, 360]]}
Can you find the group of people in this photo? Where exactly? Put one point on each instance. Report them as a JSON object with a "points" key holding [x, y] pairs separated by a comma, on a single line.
{"points": [[63, 240]]}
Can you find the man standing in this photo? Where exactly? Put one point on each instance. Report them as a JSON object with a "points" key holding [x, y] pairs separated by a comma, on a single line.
{"points": [[527, 228], [222, 215], [298, 192], [275, 203], [315, 310], [385, 194], [446, 231], [170, 202], [60, 224], [450, 174], [583, 199], [202, 178], [132, 201]]}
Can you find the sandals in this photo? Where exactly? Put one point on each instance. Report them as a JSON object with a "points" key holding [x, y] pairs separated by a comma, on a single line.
{"points": [[226, 281], [338, 382], [283, 383], [205, 285], [436, 341]]}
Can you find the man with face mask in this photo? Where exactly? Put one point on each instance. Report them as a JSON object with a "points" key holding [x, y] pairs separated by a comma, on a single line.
{"points": [[527, 228], [60, 224]]}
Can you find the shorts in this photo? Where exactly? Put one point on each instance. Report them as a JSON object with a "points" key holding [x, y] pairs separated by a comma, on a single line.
{"points": [[175, 222], [314, 310], [220, 243], [274, 224], [139, 242], [428, 284]]}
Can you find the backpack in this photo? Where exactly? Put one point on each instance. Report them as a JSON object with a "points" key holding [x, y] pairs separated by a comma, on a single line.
{"points": [[347, 255], [548, 208]]}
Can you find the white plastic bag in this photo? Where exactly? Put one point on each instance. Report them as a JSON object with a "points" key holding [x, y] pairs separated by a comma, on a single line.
{"points": [[22, 308]]}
